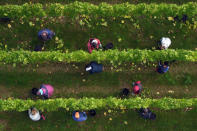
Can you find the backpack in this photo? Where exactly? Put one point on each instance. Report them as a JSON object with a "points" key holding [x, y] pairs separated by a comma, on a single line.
{"points": [[108, 46]]}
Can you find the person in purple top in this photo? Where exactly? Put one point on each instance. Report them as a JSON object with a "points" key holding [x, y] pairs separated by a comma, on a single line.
{"points": [[147, 114], [163, 68], [45, 90], [79, 116], [45, 34]]}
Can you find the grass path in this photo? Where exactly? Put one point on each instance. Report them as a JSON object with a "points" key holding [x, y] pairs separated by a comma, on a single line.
{"points": [[68, 81], [72, 36], [174, 120]]}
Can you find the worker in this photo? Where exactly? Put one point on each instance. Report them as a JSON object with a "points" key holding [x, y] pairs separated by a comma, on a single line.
{"points": [[94, 67], [125, 92], [94, 43], [45, 34], [45, 90], [137, 88], [35, 115], [163, 68], [79, 116], [164, 43], [146, 114]]}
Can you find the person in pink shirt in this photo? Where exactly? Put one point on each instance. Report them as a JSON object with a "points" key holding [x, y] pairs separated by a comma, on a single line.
{"points": [[94, 43], [137, 87], [45, 90]]}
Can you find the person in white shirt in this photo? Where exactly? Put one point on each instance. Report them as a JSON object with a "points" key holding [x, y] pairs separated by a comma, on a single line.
{"points": [[164, 43], [34, 114]]}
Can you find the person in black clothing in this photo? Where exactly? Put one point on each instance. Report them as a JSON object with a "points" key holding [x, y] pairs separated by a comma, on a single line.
{"points": [[124, 93], [146, 114], [94, 67]]}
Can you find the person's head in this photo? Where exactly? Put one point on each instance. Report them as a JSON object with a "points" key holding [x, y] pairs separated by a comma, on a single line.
{"points": [[136, 89], [153, 116], [164, 41], [40, 92], [94, 43], [138, 82], [34, 91], [146, 110], [44, 35], [166, 64], [33, 111], [125, 92], [88, 68], [77, 115], [92, 112]]}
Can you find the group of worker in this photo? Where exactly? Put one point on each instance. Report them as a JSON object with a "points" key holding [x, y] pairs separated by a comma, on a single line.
{"points": [[46, 91]]}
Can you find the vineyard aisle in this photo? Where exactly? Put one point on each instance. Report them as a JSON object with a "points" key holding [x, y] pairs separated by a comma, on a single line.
{"points": [[70, 80]]}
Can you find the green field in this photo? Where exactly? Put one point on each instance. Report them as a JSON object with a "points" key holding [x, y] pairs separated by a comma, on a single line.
{"points": [[71, 81]]}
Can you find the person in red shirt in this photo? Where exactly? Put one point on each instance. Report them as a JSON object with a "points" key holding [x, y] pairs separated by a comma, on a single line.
{"points": [[137, 87], [94, 43]]}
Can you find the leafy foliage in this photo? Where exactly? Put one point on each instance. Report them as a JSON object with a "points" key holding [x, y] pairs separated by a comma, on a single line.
{"points": [[93, 103], [104, 10], [115, 57]]}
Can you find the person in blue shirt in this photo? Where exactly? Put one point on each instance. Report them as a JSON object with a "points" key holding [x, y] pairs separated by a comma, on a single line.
{"points": [[45, 34], [79, 116], [94, 67], [163, 68], [146, 114]]}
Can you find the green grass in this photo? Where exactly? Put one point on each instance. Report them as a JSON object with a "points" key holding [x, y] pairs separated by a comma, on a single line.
{"points": [[75, 37], [175, 120], [68, 82]]}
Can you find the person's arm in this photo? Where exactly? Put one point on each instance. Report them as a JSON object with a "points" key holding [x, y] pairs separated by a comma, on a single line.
{"points": [[100, 46], [29, 111]]}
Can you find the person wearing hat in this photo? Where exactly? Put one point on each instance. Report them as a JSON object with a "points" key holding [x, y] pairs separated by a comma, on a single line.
{"points": [[94, 67], [35, 115], [163, 68], [79, 116], [94, 43], [137, 87], [164, 43], [45, 90], [45, 34], [146, 114]]}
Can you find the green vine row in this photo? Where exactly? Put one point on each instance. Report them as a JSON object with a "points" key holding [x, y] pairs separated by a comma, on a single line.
{"points": [[112, 56], [93, 103], [103, 10]]}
